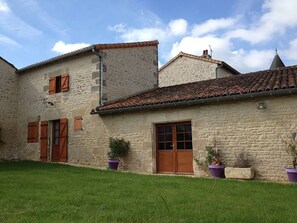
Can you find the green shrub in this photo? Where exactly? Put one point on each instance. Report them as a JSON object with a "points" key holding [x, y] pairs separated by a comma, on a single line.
{"points": [[118, 148]]}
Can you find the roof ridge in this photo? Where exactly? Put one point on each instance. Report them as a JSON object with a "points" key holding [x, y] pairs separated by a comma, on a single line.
{"points": [[193, 56]]}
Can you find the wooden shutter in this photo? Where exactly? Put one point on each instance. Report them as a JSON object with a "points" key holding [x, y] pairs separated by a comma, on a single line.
{"points": [[78, 123], [52, 85], [63, 139], [43, 141], [32, 132], [65, 83]]}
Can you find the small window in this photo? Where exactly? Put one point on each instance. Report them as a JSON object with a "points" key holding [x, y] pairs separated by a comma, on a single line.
{"points": [[78, 123], [33, 129], [59, 84]]}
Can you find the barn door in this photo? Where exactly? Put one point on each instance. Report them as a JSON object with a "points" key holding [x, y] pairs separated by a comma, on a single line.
{"points": [[174, 148], [59, 140], [63, 139], [43, 141]]}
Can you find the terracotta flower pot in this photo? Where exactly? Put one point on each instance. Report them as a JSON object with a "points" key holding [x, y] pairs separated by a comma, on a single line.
{"points": [[217, 171], [292, 175], [113, 164]]}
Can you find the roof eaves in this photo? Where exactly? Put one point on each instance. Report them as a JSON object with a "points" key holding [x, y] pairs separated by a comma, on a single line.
{"points": [[233, 70], [126, 45], [10, 64], [57, 58], [201, 101]]}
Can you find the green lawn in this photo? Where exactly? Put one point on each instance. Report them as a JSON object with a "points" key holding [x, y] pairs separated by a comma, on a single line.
{"points": [[38, 192]]}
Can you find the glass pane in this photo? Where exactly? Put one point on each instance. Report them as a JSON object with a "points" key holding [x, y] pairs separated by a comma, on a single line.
{"points": [[168, 129], [188, 136], [161, 129], [161, 138], [56, 142], [168, 137], [188, 128], [180, 137], [161, 146], [188, 145], [169, 146], [180, 145], [179, 128]]}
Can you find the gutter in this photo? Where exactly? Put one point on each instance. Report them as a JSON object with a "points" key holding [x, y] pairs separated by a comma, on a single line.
{"points": [[227, 98], [100, 75]]}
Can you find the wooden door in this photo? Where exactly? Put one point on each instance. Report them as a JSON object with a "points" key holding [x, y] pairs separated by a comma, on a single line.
{"points": [[56, 141], [43, 141], [174, 148]]}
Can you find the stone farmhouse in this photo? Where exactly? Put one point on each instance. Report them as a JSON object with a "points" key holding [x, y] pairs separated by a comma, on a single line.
{"points": [[186, 68], [67, 108]]}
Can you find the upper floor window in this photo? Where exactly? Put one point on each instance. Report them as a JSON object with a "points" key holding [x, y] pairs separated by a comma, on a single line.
{"points": [[59, 84]]}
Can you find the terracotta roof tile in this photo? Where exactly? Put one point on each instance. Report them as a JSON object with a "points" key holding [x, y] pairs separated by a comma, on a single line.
{"points": [[261, 81]]}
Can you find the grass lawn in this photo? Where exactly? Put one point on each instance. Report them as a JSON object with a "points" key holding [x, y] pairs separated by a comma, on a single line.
{"points": [[39, 192]]}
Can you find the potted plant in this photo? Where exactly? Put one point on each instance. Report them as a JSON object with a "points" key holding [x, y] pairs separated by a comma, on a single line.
{"points": [[118, 148], [241, 168], [291, 149], [212, 160]]}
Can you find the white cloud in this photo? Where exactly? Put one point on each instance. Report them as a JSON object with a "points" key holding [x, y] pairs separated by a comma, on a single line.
{"points": [[144, 34], [4, 7], [120, 28], [61, 47], [178, 27], [195, 45], [7, 41], [279, 16], [291, 52], [213, 25], [161, 32], [14, 25]]}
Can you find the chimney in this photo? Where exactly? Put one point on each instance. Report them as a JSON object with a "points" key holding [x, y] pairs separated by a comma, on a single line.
{"points": [[205, 54]]}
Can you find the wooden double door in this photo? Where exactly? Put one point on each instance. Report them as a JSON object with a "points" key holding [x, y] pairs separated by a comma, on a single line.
{"points": [[174, 148], [58, 138]]}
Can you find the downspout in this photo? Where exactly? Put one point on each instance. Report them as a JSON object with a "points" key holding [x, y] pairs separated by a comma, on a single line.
{"points": [[217, 70], [100, 75]]}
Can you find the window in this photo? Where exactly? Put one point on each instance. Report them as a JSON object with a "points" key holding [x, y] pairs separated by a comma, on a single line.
{"points": [[59, 84], [78, 123], [33, 128]]}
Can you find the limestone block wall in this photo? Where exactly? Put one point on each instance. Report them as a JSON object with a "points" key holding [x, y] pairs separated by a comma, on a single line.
{"points": [[8, 110], [129, 70], [237, 126], [185, 70], [126, 71], [83, 95]]}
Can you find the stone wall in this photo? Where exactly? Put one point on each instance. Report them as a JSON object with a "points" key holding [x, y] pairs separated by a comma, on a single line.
{"points": [[186, 70], [126, 71], [237, 126], [8, 110]]}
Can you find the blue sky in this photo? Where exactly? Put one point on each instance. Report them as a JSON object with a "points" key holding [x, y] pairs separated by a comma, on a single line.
{"points": [[243, 33]]}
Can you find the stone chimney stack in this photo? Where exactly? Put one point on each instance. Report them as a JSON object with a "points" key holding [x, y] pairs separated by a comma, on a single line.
{"points": [[205, 54]]}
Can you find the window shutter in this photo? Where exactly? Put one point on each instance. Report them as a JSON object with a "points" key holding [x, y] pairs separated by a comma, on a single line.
{"points": [[52, 85], [63, 139], [43, 141], [78, 123], [65, 83], [32, 132]]}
